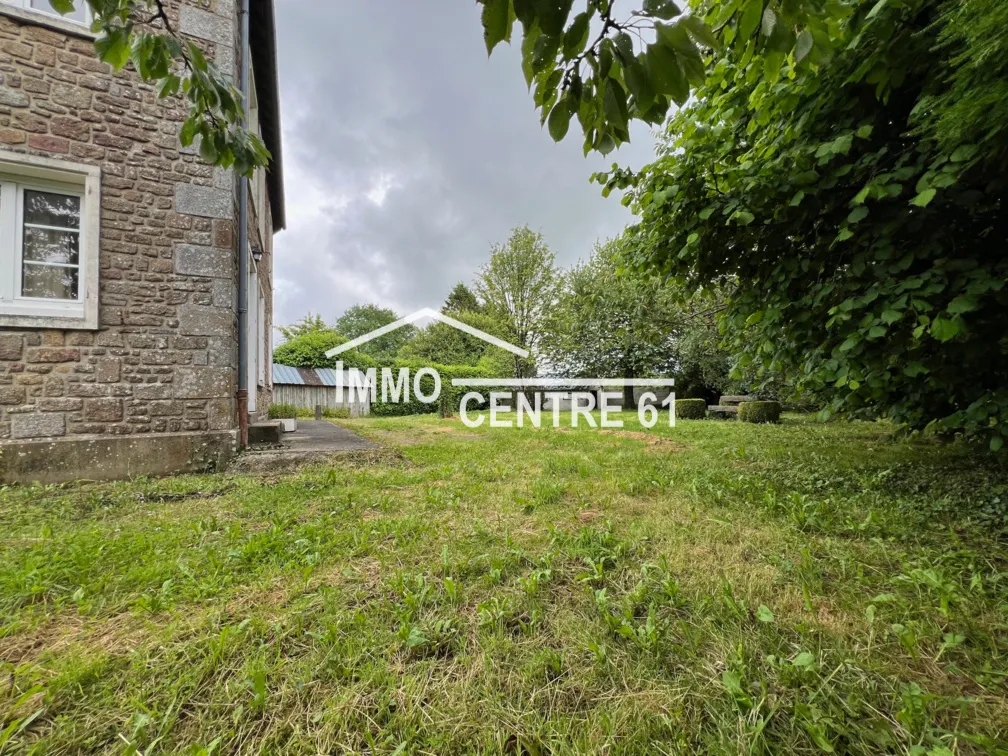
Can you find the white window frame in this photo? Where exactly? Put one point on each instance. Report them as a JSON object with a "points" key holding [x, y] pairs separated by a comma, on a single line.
{"points": [[51, 13], [20, 172], [251, 331], [258, 183]]}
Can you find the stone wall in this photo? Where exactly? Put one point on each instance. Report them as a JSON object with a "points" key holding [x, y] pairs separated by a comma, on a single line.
{"points": [[164, 357]]}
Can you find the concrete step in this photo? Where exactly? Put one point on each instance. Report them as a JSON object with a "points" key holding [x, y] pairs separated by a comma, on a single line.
{"points": [[731, 401], [270, 432], [723, 412]]}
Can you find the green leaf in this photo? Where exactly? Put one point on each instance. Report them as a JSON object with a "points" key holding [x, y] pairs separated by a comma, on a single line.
{"points": [[62, 6], [743, 217], [614, 103], [664, 73], [559, 120], [857, 214], [962, 303], [113, 46], [924, 198], [497, 22], [804, 660], [552, 15], [996, 443], [877, 332], [528, 48], [763, 614], [700, 31], [417, 637], [544, 54], [803, 45], [665, 9], [769, 21], [963, 153], [875, 10], [865, 131], [891, 316], [751, 16], [796, 200], [849, 344], [635, 76], [576, 36], [944, 329]]}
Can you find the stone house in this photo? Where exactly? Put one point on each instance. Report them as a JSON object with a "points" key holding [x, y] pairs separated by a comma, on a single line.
{"points": [[119, 253]]}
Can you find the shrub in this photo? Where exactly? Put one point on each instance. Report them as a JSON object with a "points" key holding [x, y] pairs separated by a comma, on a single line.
{"points": [[451, 396], [282, 412], [308, 351], [691, 409], [759, 412]]}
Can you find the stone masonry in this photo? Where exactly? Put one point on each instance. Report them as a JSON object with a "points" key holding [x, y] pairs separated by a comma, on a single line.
{"points": [[165, 355]]}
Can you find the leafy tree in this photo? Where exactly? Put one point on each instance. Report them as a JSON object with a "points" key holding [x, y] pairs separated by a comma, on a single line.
{"points": [[141, 32], [863, 238], [310, 323], [461, 299], [612, 323], [520, 285], [361, 319], [607, 70], [443, 344], [308, 350]]}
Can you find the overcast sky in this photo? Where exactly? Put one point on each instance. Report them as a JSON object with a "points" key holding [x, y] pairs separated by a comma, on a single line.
{"points": [[407, 153]]}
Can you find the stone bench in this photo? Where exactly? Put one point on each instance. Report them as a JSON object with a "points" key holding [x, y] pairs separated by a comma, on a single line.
{"points": [[734, 401], [723, 412]]}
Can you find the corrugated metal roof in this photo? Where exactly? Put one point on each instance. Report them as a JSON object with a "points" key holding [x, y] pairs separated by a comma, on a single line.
{"points": [[285, 374], [292, 376], [330, 377]]}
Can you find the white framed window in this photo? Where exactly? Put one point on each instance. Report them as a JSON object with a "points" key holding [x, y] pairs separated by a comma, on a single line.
{"points": [[81, 13], [261, 345], [49, 236]]}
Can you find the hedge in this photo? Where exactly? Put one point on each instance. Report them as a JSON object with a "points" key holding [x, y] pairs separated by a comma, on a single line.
{"points": [[690, 409], [759, 412], [451, 396]]}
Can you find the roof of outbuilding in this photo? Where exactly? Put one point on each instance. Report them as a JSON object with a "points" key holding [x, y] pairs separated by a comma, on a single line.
{"points": [[292, 376], [262, 41]]}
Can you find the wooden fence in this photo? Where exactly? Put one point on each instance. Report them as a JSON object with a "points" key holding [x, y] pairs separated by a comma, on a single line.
{"points": [[329, 397]]}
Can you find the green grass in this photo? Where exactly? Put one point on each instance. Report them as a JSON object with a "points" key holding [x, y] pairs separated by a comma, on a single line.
{"points": [[713, 588]]}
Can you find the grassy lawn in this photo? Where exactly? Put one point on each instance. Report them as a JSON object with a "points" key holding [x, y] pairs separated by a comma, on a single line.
{"points": [[715, 588]]}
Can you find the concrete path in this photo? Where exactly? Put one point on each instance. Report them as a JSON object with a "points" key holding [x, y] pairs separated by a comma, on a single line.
{"points": [[313, 442], [323, 436]]}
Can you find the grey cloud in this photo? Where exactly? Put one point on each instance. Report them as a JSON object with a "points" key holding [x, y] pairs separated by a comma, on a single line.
{"points": [[408, 153]]}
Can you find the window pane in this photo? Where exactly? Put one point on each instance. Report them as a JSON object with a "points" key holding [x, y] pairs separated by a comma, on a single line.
{"points": [[48, 246], [49, 282], [50, 209], [45, 6]]}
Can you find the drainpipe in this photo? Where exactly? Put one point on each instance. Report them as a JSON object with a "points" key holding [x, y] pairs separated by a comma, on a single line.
{"points": [[243, 198]]}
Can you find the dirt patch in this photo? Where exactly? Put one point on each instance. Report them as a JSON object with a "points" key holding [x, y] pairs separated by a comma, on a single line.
{"points": [[651, 439], [114, 635]]}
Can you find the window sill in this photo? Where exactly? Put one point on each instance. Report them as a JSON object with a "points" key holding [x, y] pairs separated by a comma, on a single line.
{"points": [[62, 323], [56, 23], [69, 316]]}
